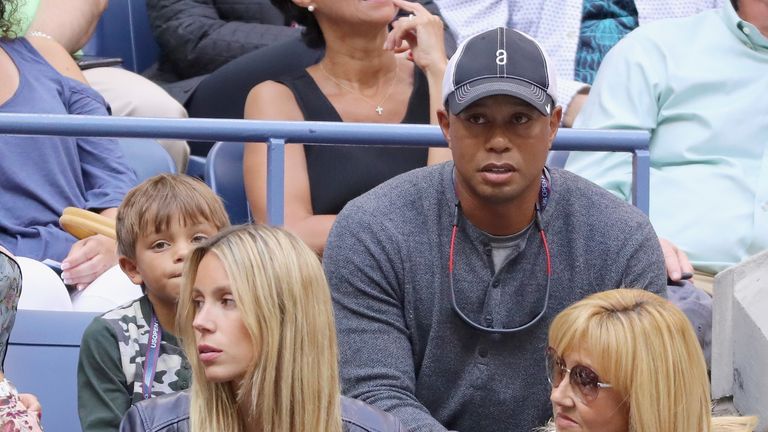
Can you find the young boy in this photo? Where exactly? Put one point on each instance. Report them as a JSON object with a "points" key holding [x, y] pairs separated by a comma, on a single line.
{"points": [[129, 354]]}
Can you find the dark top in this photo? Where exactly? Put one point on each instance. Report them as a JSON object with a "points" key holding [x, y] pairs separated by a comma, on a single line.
{"points": [[170, 413], [338, 174], [197, 37]]}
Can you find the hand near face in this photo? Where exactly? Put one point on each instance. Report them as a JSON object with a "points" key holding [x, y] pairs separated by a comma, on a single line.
{"points": [[88, 259], [422, 34]]}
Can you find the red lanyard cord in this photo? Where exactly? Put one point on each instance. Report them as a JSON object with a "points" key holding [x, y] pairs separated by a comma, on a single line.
{"points": [[467, 320]]}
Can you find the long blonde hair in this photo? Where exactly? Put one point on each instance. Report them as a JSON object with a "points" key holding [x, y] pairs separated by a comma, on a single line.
{"points": [[647, 349], [284, 302]]}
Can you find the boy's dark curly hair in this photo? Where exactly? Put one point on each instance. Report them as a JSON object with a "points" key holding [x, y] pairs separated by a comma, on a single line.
{"points": [[312, 35], [7, 11]]}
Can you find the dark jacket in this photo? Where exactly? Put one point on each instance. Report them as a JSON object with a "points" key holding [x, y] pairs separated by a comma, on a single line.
{"points": [[170, 413], [196, 37]]}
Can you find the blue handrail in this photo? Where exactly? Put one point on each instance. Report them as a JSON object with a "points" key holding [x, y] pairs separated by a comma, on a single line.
{"points": [[278, 134]]}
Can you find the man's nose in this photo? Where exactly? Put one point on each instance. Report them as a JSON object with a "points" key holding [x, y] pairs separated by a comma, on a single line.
{"points": [[498, 141]]}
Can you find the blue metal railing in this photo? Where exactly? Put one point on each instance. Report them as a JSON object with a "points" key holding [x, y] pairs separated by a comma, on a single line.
{"points": [[278, 134]]}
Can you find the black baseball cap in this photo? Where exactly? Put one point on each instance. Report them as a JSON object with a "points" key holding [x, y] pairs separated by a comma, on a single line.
{"points": [[501, 61]]}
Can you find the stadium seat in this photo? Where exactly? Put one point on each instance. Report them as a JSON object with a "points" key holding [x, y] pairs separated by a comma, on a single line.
{"points": [[147, 157], [224, 174], [42, 359], [124, 31]]}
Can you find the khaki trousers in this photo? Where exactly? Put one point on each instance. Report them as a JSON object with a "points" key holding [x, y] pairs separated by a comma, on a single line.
{"points": [[132, 95]]}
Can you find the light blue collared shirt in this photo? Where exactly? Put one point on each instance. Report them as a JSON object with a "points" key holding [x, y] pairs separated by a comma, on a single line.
{"points": [[700, 85], [554, 24]]}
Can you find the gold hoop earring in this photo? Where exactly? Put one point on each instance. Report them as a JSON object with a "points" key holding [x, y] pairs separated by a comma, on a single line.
{"points": [[311, 8]]}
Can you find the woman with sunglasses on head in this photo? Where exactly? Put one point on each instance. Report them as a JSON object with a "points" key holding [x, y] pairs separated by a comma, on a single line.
{"points": [[359, 79], [256, 323], [628, 360]]}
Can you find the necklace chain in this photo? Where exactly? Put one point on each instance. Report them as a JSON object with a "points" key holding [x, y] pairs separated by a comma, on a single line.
{"points": [[379, 109]]}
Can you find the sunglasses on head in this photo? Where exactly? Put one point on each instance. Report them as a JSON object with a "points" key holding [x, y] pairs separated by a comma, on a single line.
{"points": [[583, 380]]}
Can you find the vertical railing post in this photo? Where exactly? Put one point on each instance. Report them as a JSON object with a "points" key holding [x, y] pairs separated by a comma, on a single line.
{"points": [[276, 181], [641, 180]]}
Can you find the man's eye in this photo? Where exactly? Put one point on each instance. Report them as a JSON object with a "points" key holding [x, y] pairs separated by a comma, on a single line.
{"points": [[520, 119], [477, 119]]}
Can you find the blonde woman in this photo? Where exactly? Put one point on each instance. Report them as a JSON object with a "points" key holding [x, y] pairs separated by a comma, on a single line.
{"points": [[257, 325], [628, 360]]}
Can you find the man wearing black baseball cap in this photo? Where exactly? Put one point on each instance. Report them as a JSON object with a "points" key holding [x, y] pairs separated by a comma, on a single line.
{"points": [[445, 278]]}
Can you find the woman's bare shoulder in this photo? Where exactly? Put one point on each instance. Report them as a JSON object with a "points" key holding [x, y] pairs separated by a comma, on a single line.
{"points": [[57, 57], [270, 100]]}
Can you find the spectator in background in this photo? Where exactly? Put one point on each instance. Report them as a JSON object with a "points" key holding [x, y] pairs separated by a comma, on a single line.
{"points": [[196, 37], [355, 82], [71, 23], [445, 279], [40, 176], [576, 33], [256, 322], [280, 53], [628, 360], [709, 164]]}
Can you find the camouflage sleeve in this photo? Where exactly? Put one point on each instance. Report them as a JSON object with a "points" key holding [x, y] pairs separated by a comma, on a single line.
{"points": [[102, 394]]}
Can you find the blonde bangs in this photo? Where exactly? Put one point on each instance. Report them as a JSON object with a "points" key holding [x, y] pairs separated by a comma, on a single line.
{"points": [[588, 328], [647, 350]]}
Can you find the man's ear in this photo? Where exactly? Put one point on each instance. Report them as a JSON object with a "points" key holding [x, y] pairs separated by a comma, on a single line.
{"points": [[554, 123], [444, 120], [128, 266]]}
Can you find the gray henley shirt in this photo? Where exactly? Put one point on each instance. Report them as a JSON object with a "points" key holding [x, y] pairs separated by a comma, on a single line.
{"points": [[404, 349]]}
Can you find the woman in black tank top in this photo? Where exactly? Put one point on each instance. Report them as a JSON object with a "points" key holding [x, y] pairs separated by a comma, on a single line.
{"points": [[361, 78]]}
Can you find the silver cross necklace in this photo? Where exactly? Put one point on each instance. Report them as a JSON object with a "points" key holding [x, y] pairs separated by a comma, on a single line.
{"points": [[379, 109]]}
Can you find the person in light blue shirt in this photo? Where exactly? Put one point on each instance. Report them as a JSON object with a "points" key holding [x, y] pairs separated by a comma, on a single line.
{"points": [[700, 85]]}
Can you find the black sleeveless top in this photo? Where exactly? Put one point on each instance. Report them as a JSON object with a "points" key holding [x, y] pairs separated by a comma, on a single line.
{"points": [[338, 174]]}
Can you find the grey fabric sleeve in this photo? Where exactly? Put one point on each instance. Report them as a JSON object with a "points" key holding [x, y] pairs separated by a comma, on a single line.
{"points": [[364, 269], [643, 261]]}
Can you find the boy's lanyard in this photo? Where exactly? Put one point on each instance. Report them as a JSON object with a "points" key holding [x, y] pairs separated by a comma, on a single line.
{"points": [[150, 361]]}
